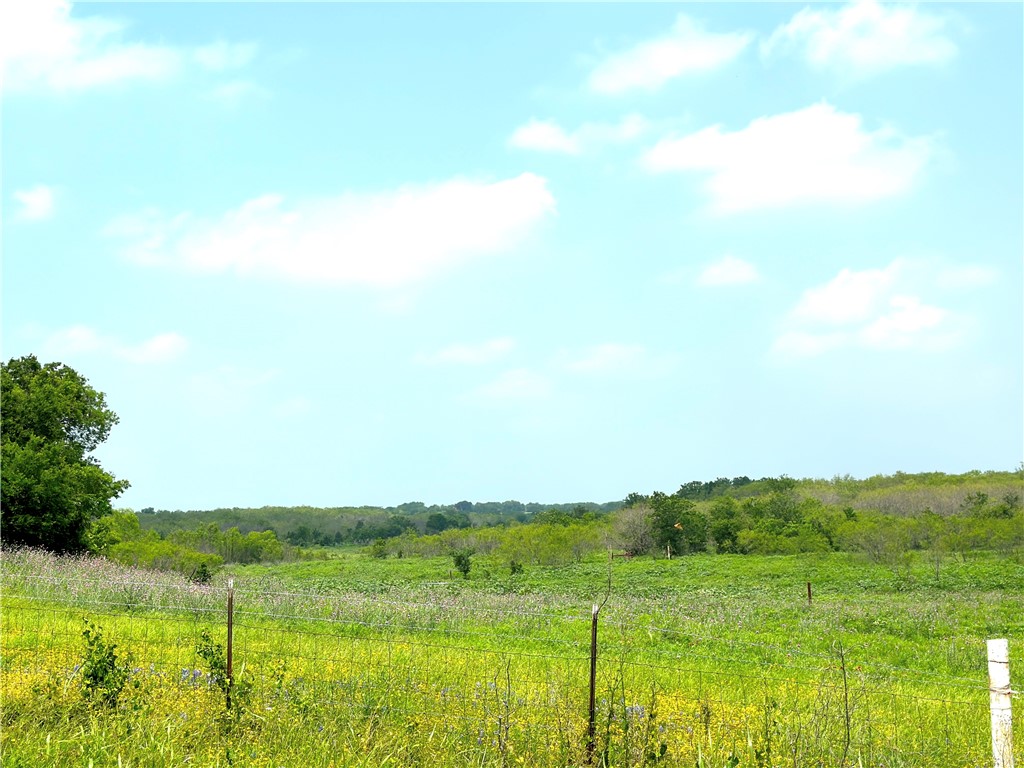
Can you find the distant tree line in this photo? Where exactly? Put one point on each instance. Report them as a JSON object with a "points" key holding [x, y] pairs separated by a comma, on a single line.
{"points": [[341, 526], [197, 553], [742, 516]]}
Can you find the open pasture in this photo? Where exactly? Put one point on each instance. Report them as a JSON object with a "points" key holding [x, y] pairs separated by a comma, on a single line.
{"points": [[704, 660]]}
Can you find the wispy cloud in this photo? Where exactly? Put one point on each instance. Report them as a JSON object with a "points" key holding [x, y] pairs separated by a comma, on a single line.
{"points": [[811, 156], [851, 296], [871, 309], [35, 203], [864, 38], [376, 239], [488, 351], [81, 340], [548, 136], [231, 389], [544, 136], [728, 270], [620, 360], [293, 408], [688, 48], [42, 46], [966, 276], [235, 92], [519, 385], [223, 56]]}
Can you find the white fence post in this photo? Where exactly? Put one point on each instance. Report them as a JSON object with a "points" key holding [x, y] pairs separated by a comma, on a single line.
{"points": [[999, 703]]}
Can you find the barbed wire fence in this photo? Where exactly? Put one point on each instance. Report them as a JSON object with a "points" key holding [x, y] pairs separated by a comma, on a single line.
{"points": [[579, 684]]}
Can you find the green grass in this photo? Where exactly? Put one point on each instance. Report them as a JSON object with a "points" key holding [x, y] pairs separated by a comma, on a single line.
{"points": [[357, 660]]}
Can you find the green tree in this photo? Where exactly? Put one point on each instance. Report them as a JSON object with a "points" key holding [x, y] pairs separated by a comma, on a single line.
{"points": [[678, 524], [463, 561], [52, 490]]}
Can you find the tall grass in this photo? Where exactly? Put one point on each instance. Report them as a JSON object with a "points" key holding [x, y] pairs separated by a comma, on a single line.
{"points": [[708, 661]]}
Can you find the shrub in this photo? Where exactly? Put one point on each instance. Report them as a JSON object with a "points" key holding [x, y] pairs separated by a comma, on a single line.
{"points": [[104, 676], [463, 561]]}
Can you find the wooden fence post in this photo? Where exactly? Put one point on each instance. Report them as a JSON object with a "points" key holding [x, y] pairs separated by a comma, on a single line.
{"points": [[999, 703], [808, 593], [592, 710]]}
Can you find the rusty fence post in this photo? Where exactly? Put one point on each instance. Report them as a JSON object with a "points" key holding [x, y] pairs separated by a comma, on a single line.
{"points": [[592, 710]]}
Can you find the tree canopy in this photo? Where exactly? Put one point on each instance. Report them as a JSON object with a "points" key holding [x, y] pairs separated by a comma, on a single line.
{"points": [[52, 490]]}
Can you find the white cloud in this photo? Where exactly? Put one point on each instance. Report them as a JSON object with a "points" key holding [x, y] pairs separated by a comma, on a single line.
{"points": [[378, 239], [513, 386], [36, 203], [548, 136], [159, 349], [728, 270], [222, 55], [813, 155], [864, 38], [471, 354], [966, 276], [849, 297], [688, 48], [42, 46], [83, 340], [905, 322], [544, 136], [868, 309], [620, 359], [808, 344], [234, 92]]}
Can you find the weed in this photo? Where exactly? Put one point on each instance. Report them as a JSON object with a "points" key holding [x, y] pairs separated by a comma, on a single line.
{"points": [[104, 676]]}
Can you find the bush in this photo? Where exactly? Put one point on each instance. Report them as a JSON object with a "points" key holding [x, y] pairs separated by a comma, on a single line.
{"points": [[104, 676], [463, 561]]}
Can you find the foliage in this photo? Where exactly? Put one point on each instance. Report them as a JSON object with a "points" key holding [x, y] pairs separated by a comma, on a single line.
{"points": [[150, 551], [740, 671], [202, 574], [463, 561], [52, 490], [216, 661], [104, 676], [633, 529], [231, 545]]}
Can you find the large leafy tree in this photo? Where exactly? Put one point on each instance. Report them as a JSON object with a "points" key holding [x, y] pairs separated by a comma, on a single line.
{"points": [[52, 489]]}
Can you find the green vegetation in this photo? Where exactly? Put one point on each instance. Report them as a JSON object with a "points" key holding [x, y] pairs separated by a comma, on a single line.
{"points": [[51, 490], [878, 517], [356, 644], [883, 515], [705, 660], [104, 675]]}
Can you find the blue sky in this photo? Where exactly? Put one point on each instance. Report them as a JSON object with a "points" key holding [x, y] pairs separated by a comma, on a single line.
{"points": [[337, 254]]}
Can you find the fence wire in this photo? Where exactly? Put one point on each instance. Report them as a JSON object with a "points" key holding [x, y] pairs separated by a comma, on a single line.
{"points": [[501, 679]]}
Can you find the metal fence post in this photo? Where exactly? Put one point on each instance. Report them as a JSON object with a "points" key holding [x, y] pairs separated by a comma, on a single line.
{"points": [[592, 710], [231, 618]]}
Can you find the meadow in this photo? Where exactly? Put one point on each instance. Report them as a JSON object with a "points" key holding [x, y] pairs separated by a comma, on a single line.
{"points": [[704, 660]]}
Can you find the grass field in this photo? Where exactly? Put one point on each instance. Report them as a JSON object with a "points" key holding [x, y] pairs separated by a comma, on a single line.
{"points": [[703, 661]]}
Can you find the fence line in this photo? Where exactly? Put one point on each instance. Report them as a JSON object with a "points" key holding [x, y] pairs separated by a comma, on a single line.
{"points": [[402, 626], [209, 591], [841, 699]]}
